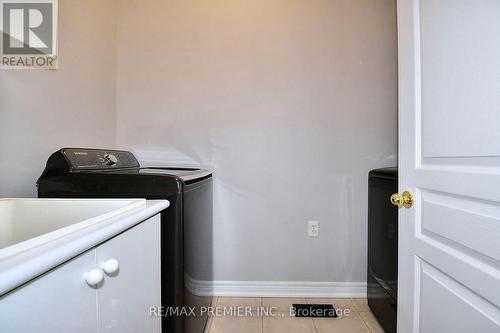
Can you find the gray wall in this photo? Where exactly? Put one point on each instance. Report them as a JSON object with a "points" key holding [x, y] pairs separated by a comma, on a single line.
{"points": [[41, 111], [290, 102]]}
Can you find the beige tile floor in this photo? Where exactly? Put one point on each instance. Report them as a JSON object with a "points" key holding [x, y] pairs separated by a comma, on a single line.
{"points": [[359, 320]]}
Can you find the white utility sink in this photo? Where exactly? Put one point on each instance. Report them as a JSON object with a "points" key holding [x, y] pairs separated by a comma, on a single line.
{"points": [[36, 235], [25, 223]]}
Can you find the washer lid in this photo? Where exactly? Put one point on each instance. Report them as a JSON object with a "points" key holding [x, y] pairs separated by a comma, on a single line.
{"points": [[186, 174]]}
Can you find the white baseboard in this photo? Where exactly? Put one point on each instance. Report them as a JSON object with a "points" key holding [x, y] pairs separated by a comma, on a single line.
{"points": [[276, 288]]}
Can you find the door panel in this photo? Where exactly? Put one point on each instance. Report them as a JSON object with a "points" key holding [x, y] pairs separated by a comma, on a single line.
{"points": [[125, 297], [476, 275], [471, 313], [449, 219], [58, 301], [460, 44], [449, 92]]}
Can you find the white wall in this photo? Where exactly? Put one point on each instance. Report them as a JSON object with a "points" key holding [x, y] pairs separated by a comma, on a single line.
{"points": [[41, 111], [290, 102]]}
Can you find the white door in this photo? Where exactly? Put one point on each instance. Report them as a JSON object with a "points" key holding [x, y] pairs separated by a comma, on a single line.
{"points": [[449, 86], [125, 297], [58, 301]]}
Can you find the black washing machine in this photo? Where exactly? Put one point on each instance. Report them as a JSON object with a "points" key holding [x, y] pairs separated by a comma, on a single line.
{"points": [[382, 284], [186, 226]]}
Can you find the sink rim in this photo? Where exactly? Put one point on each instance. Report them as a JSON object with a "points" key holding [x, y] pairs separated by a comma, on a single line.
{"points": [[21, 246]]}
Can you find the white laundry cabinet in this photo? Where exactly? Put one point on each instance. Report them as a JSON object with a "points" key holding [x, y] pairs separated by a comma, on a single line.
{"points": [[62, 300]]}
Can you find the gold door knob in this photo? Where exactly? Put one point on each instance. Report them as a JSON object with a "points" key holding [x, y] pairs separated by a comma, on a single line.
{"points": [[402, 200]]}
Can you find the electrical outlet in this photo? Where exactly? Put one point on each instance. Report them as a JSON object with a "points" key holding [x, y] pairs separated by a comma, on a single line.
{"points": [[313, 229]]}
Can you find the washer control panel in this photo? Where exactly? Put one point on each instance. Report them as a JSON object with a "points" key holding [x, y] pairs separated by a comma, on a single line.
{"points": [[110, 159], [98, 159]]}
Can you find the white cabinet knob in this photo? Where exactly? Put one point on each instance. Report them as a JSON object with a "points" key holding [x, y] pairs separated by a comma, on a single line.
{"points": [[111, 266], [94, 277]]}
